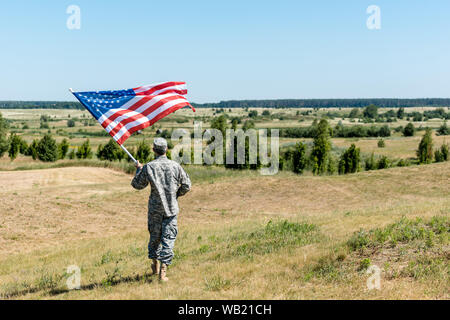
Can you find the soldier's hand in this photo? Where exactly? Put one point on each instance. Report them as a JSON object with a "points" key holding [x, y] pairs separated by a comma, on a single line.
{"points": [[138, 164]]}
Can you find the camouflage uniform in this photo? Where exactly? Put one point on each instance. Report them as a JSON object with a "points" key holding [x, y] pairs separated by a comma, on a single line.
{"points": [[168, 181]]}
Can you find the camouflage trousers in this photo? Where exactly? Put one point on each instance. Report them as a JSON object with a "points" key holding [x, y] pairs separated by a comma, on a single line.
{"points": [[163, 232]]}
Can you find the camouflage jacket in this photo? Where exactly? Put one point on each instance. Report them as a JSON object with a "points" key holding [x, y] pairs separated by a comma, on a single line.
{"points": [[168, 181]]}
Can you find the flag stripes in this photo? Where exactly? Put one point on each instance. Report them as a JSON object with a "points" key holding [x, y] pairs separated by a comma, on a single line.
{"points": [[123, 112]]}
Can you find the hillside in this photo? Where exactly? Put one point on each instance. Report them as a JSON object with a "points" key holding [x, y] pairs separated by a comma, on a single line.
{"points": [[226, 248]]}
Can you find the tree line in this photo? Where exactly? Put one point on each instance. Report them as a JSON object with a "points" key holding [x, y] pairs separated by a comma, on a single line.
{"points": [[276, 103], [40, 105], [327, 103]]}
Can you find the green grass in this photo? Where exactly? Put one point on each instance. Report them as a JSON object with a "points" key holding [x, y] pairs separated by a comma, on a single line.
{"points": [[406, 230]]}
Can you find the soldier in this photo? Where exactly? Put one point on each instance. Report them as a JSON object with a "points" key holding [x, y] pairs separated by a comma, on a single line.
{"points": [[168, 181]]}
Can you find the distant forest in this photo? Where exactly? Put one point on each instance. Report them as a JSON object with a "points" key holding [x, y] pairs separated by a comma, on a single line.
{"points": [[281, 103], [40, 105], [328, 103]]}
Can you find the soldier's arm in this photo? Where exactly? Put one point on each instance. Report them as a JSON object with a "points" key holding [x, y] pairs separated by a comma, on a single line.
{"points": [[185, 183], [140, 180]]}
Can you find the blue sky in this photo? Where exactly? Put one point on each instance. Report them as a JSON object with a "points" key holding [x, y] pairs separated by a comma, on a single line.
{"points": [[227, 50]]}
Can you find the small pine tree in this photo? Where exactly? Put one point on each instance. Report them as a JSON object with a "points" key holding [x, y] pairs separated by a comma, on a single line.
{"points": [[63, 148], [23, 147], [47, 150], [444, 152], [299, 160], [144, 152], [350, 160], [370, 163], [4, 143], [321, 148], [438, 157], [32, 149], [383, 163], [84, 151], [108, 152], [381, 143], [72, 154], [425, 150], [14, 146]]}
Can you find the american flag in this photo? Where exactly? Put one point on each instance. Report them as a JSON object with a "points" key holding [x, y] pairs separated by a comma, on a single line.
{"points": [[122, 112]]}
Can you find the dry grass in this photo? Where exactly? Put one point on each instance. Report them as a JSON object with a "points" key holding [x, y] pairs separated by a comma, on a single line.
{"points": [[91, 217]]}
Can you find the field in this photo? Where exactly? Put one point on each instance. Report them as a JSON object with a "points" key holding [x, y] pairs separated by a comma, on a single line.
{"points": [[241, 235]]}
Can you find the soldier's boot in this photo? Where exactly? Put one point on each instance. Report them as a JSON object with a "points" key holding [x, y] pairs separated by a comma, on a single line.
{"points": [[155, 266], [162, 273]]}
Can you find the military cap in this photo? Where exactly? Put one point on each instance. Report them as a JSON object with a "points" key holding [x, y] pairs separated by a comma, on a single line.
{"points": [[160, 145]]}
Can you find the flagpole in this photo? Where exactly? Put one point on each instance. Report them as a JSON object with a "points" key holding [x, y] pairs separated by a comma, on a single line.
{"points": [[128, 153], [123, 148]]}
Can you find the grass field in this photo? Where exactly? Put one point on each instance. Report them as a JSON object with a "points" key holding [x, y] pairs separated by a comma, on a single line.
{"points": [[227, 246], [241, 235]]}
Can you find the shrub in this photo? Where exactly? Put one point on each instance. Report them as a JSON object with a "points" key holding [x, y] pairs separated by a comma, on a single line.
{"points": [[443, 130], [44, 125], [144, 153], [4, 144], [299, 160], [438, 157], [370, 112], [84, 151], [444, 152], [47, 149], [321, 148], [63, 148], [409, 130], [425, 150], [402, 163], [111, 151], [14, 146], [381, 143], [70, 123], [32, 149], [370, 163], [383, 163], [350, 160]]}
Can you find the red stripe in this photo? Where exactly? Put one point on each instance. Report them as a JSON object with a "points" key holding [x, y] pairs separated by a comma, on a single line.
{"points": [[118, 113], [146, 124], [144, 113], [158, 87]]}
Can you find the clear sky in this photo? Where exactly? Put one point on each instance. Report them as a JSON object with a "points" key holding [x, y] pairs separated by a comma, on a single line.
{"points": [[224, 50]]}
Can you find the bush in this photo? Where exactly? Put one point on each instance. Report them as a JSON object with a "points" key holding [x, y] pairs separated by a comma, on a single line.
{"points": [[321, 148], [383, 163], [4, 144], [144, 152], [44, 125], [14, 146], [409, 130], [370, 163], [381, 143], [84, 151], [443, 130], [299, 160], [47, 149], [350, 160], [444, 152], [438, 157], [425, 150], [63, 148], [70, 123], [370, 112], [32, 149], [111, 151]]}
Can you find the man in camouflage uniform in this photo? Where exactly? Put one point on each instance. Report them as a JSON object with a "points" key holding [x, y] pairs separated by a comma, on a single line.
{"points": [[168, 181]]}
